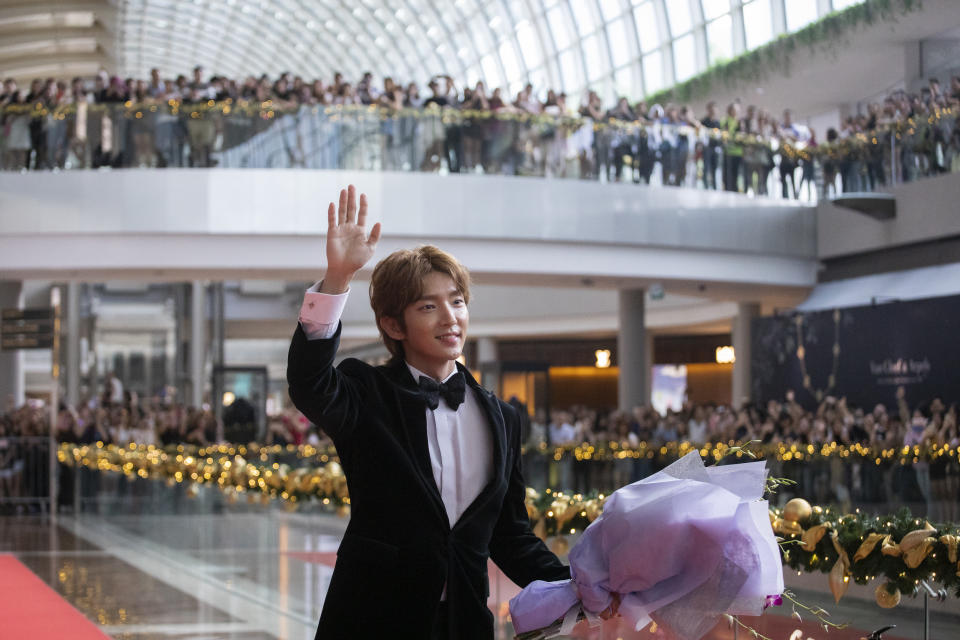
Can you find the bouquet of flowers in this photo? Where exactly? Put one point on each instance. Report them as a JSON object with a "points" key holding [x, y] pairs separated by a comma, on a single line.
{"points": [[682, 548]]}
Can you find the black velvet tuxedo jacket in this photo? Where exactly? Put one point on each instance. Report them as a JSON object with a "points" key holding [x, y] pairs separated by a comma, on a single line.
{"points": [[399, 548]]}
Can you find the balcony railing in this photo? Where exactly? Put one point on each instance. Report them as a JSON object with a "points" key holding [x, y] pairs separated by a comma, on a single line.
{"points": [[258, 135]]}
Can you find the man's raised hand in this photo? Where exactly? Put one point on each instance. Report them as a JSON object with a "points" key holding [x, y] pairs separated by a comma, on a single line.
{"points": [[348, 245]]}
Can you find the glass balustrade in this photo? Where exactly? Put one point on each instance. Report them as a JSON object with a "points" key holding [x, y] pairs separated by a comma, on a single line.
{"points": [[505, 142]]}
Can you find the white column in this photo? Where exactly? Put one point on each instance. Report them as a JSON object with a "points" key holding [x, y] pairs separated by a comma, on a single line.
{"points": [[742, 381], [198, 342], [648, 364], [631, 350], [11, 362], [71, 343], [488, 363]]}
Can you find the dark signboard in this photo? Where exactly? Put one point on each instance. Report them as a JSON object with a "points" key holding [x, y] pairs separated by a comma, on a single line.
{"points": [[27, 329], [862, 353]]}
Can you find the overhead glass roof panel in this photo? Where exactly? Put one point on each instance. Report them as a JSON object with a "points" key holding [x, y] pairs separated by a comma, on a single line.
{"points": [[615, 46]]}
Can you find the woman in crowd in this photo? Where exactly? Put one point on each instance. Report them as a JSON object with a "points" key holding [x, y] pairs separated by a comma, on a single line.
{"points": [[15, 126], [733, 151]]}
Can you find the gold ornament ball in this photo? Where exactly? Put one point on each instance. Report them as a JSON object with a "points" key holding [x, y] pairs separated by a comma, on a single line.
{"points": [[796, 510], [532, 512], [886, 599], [560, 546], [593, 509]]}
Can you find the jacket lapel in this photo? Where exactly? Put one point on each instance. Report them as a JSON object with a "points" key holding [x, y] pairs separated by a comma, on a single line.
{"points": [[413, 419], [498, 434]]}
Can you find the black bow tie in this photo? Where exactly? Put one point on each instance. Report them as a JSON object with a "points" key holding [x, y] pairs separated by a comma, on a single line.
{"points": [[452, 391]]}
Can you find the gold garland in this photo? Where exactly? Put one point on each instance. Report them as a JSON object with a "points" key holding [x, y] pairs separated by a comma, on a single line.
{"points": [[606, 451], [904, 562], [781, 452], [821, 536], [268, 110]]}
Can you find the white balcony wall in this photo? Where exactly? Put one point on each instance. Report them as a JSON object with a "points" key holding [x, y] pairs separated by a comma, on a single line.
{"points": [[270, 224]]}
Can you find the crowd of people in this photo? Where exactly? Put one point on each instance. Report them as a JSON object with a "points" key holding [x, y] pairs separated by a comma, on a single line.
{"points": [[737, 148], [152, 423], [934, 485]]}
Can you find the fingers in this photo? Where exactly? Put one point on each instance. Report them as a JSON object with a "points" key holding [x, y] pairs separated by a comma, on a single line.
{"points": [[351, 203], [374, 235], [331, 216], [362, 214], [342, 209]]}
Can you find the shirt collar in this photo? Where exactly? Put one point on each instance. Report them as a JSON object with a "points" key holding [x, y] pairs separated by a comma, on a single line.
{"points": [[416, 373]]}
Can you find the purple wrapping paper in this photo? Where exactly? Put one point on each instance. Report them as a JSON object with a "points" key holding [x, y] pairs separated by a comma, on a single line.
{"points": [[682, 547]]}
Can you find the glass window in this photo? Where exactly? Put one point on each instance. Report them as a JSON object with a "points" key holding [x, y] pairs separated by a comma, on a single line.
{"points": [[473, 76], [620, 48], [605, 89], [646, 18], [623, 82], [653, 72], [799, 13], [583, 17], [720, 39], [481, 39], [609, 8], [594, 57], [491, 71], [843, 4], [684, 57], [757, 23], [538, 78], [714, 8], [558, 25], [530, 47], [510, 63], [571, 70], [678, 13]]}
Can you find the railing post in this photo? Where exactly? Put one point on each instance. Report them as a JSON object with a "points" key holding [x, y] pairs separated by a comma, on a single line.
{"points": [[54, 403], [940, 595], [893, 160]]}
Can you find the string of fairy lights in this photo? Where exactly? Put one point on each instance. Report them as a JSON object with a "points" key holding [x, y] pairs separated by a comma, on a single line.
{"points": [[616, 450], [902, 550]]}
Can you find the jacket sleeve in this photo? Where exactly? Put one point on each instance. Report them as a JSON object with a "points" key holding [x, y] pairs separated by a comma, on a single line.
{"points": [[520, 554], [325, 395]]}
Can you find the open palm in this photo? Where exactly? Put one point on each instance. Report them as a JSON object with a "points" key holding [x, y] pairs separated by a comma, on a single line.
{"points": [[348, 245]]}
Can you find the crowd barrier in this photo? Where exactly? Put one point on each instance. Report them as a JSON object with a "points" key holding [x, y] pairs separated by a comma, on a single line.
{"points": [[24, 474], [927, 481], [876, 550], [262, 135], [874, 480]]}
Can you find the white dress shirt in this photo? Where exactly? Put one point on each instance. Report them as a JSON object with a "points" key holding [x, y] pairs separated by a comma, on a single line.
{"points": [[459, 441]]}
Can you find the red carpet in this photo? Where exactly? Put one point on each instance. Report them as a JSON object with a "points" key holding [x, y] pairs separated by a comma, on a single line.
{"points": [[31, 609], [328, 558]]}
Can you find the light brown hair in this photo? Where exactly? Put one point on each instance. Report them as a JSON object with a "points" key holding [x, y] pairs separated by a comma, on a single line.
{"points": [[397, 283]]}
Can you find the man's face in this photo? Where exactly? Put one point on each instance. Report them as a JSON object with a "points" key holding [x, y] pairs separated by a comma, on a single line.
{"points": [[435, 326]]}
